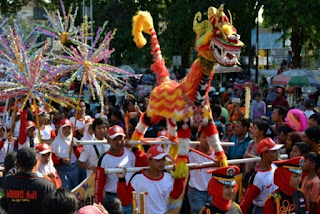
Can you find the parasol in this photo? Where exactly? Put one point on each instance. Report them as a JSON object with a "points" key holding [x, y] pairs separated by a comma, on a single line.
{"points": [[298, 78]]}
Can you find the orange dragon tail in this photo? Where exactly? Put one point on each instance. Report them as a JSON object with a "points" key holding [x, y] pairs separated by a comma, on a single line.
{"points": [[143, 22]]}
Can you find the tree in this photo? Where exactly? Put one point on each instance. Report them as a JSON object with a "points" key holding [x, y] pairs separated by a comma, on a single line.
{"points": [[173, 22], [9, 6], [298, 19]]}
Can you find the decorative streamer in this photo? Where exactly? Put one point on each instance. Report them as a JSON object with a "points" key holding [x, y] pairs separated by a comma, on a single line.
{"points": [[247, 101], [29, 74]]}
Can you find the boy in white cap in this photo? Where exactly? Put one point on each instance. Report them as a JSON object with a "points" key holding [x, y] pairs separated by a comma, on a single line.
{"points": [[154, 182], [261, 183]]}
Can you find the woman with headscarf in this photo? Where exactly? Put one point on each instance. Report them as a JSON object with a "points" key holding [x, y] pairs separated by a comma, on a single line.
{"points": [[46, 167], [302, 102], [222, 187], [66, 155], [288, 198]]}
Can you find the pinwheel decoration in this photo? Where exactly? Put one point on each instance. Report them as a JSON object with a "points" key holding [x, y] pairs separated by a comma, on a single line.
{"points": [[87, 62], [30, 75], [60, 28]]}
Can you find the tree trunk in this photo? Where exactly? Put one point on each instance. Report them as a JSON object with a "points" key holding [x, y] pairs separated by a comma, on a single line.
{"points": [[296, 44]]}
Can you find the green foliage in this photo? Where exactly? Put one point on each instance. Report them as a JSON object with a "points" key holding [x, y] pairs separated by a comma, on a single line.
{"points": [[298, 19], [173, 22], [9, 6]]}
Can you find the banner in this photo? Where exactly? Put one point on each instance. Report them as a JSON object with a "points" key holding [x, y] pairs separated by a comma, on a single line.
{"points": [[85, 191]]}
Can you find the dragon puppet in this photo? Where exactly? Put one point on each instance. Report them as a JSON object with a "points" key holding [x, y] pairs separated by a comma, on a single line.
{"points": [[185, 105]]}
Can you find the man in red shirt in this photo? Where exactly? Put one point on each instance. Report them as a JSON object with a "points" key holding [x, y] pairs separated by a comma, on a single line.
{"points": [[280, 99]]}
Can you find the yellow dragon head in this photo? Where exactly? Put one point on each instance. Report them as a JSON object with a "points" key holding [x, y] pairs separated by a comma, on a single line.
{"points": [[217, 39]]}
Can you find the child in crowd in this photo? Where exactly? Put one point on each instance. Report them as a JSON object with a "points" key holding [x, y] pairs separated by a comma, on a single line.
{"points": [[66, 153], [222, 187], [154, 182], [60, 201], [312, 137], [314, 120], [229, 132], [300, 149], [88, 131], [261, 183], [80, 121], [27, 136], [46, 167], [46, 131], [199, 179], [311, 182], [261, 129], [288, 198], [91, 154], [7, 145], [116, 156], [292, 138]]}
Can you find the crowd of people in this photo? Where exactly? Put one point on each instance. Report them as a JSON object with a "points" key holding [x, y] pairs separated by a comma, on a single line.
{"points": [[41, 167]]}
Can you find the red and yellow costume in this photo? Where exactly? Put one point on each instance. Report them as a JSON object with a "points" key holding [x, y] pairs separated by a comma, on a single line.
{"points": [[186, 104]]}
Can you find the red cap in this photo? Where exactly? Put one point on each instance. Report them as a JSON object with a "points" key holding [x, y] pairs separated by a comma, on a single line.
{"points": [[89, 121], [43, 148], [279, 90], [115, 131], [293, 164], [30, 124], [268, 144], [225, 175], [156, 152], [162, 135], [41, 110], [65, 122]]}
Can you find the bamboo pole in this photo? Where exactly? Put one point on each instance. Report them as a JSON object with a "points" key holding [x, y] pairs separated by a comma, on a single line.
{"points": [[13, 118], [142, 203], [5, 112], [37, 119], [13, 122], [152, 142], [134, 202], [76, 115], [192, 165]]}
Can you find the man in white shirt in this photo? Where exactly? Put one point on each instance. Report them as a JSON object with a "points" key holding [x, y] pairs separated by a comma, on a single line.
{"points": [[91, 154], [199, 178]]}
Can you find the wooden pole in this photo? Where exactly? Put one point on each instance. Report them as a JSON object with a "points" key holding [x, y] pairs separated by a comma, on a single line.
{"points": [[142, 203], [13, 122], [37, 119], [75, 117], [5, 111], [134, 202], [13, 118]]}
